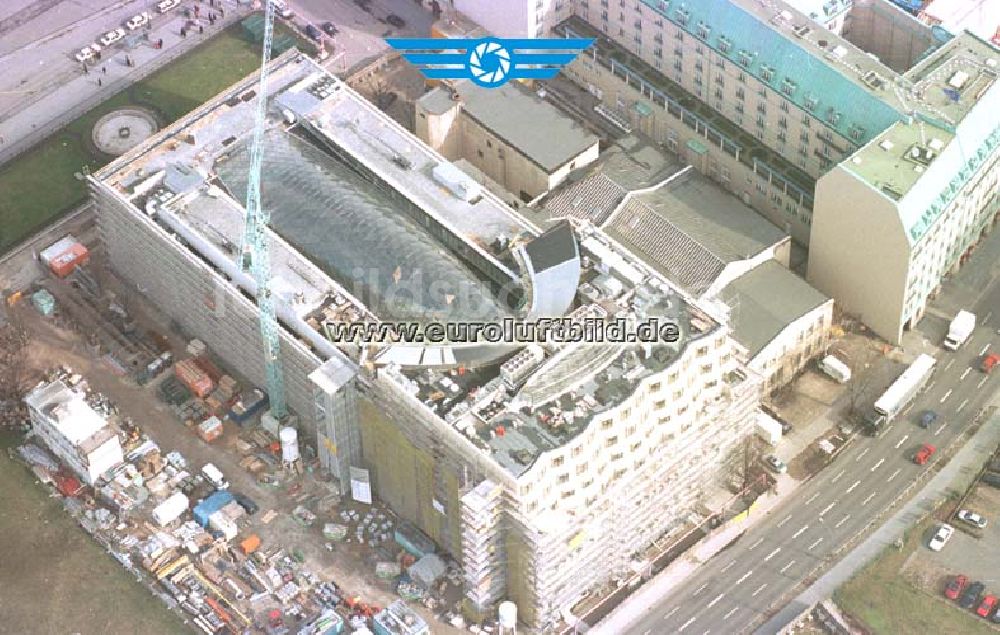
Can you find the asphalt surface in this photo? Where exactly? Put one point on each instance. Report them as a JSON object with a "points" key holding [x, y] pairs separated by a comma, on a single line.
{"points": [[745, 584]]}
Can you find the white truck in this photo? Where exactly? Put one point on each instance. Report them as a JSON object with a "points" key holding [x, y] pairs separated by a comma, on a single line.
{"points": [[836, 369], [960, 329], [901, 392]]}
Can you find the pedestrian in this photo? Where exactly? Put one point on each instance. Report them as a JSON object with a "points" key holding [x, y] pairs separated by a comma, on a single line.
{"points": [[184, 33], [86, 71], [98, 82], [201, 29], [1, 140], [104, 70]]}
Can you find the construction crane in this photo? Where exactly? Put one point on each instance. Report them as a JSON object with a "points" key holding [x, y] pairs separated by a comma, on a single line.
{"points": [[255, 257]]}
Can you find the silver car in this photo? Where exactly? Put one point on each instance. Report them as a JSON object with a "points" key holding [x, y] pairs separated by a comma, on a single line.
{"points": [[972, 518]]}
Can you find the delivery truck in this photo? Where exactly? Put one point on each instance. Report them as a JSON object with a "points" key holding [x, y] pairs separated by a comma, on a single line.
{"points": [[959, 330]]}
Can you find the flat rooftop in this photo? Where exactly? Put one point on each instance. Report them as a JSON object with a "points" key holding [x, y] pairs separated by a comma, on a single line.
{"points": [[765, 300], [534, 127], [70, 414]]}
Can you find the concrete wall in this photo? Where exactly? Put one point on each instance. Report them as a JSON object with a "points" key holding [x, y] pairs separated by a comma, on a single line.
{"points": [[791, 350], [897, 38], [858, 253]]}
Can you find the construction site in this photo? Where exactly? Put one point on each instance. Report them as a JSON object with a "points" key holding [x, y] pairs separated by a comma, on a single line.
{"points": [[490, 484]]}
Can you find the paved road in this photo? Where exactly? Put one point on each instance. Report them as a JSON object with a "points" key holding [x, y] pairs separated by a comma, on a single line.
{"points": [[740, 588], [361, 33]]}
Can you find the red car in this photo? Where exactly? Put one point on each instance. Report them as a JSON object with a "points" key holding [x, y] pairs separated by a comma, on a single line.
{"points": [[924, 453], [955, 587], [986, 606], [989, 361]]}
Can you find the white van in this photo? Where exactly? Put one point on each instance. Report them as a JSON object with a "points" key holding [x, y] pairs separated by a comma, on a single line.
{"points": [[836, 369], [214, 476]]}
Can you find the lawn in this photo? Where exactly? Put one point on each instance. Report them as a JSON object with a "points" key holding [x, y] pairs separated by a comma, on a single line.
{"points": [[887, 603], [54, 578], [39, 186]]}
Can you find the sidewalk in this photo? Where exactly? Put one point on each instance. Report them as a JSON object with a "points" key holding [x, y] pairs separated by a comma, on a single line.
{"points": [[82, 92], [953, 477]]}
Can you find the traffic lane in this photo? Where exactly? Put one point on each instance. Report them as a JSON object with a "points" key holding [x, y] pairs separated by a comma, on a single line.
{"points": [[890, 468]]}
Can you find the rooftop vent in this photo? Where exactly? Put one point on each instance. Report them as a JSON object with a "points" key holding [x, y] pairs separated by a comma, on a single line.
{"points": [[921, 155], [873, 80], [958, 80], [935, 144], [838, 52], [886, 145]]}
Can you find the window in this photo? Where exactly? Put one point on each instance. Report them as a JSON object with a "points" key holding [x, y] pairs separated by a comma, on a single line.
{"points": [[557, 461], [611, 442], [489, 144], [564, 478], [480, 153], [725, 45]]}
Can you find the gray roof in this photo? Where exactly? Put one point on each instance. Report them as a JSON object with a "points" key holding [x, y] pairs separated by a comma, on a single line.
{"points": [[535, 128], [713, 217], [765, 300]]}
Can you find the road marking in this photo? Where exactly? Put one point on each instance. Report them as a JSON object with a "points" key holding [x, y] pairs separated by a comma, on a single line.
{"points": [[861, 456], [893, 475], [962, 405], [812, 498], [728, 566], [751, 547], [686, 624], [948, 365], [985, 348], [929, 386], [841, 521], [785, 568], [647, 631], [867, 500], [730, 613], [876, 466], [799, 532], [744, 576], [813, 545], [759, 589], [707, 631], [700, 589], [716, 600], [784, 520], [902, 441], [772, 554], [851, 488], [946, 395], [827, 508], [837, 477], [672, 611], [966, 373], [982, 381], [938, 431]]}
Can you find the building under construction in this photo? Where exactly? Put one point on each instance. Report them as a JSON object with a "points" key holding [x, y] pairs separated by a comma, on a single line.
{"points": [[544, 469]]}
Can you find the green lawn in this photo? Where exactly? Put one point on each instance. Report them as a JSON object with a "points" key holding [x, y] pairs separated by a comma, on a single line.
{"points": [[889, 604], [54, 578], [39, 186]]}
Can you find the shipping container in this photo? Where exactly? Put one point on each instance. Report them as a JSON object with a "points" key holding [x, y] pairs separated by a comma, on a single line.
{"points": [[193, 377], [57, 248], [248, 405], [212, 504], [64, 264], [413, 540]]}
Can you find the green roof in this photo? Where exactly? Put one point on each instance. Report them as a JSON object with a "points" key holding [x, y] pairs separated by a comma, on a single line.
{"points": [[811, 82], [764, 301]]}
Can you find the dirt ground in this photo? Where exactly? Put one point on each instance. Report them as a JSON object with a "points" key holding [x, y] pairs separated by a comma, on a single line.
{"points": [[349, 564]]}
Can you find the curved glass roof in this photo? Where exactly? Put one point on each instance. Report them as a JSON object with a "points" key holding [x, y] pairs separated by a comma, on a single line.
{"points": [[360, 234]]}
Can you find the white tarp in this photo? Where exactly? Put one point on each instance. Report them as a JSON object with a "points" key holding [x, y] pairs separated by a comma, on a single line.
{"points": [[361, 486], [170, 509]]}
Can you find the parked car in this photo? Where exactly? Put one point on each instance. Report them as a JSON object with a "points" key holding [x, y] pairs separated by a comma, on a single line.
{"points": [[138, 21], [330, 28], [987, 606], [955, 587], [927, 418], [992, 479], [971, 596], [111, 37], [775, 464], [167, 5], [941, 537], [924, 454], [246, 503], [314, 33], [394, 20], [972, 518], [84, 54]]}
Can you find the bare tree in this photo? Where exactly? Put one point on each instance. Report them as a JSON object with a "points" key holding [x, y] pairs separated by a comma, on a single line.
{"points": [[14, 341], [861, 379]]}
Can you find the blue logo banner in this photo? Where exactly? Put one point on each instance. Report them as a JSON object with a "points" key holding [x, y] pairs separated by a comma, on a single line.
{"points": [[489, 62]]}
